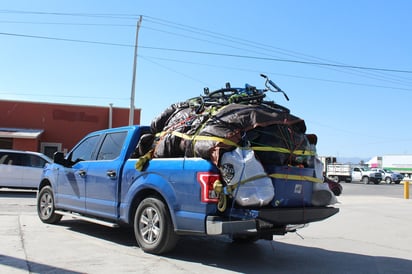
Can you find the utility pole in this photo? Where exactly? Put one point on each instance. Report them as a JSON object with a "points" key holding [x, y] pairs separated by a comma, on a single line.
{"points": [[131, 113]]}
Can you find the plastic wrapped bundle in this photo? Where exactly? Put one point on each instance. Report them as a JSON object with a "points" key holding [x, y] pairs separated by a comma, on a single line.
{"points": [[240, 168]]}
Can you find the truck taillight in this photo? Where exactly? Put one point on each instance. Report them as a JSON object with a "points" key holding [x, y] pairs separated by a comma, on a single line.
{"points": [[206, 181]]}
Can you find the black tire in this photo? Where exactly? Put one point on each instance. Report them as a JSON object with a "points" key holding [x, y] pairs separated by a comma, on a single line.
{"points": [[397, 182], [336, 189], [365, 180], [45, 206], [153, 227], [388, 180]]}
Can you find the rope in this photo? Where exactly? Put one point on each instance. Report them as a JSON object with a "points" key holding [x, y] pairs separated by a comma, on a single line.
{"points": [[295, 177], [231, 143]]}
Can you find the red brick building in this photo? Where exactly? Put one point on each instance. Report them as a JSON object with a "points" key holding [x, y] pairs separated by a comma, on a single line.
{"points": [[47, 128]]}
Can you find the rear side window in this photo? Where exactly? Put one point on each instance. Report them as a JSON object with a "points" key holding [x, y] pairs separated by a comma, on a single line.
{"points": [[35, 161], [21, 159], [11, 158], [3, 158], [112, 146]]}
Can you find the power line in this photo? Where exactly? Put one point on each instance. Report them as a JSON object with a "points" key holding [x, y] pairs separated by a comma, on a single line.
{"points": [[376, 75], [368, 72], [211, 53], [75, 14], [66, 24], [280, 60], [65, 39], [63, 96], [271, 73]]}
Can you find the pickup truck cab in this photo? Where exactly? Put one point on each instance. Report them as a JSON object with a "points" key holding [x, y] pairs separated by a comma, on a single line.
{"points": [[366, 175], [97, 181]]}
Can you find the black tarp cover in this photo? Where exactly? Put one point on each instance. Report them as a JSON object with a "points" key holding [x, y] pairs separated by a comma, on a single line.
{"points": [[277, 136]]}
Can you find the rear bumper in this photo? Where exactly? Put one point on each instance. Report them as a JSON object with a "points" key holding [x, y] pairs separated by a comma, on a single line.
{"points": [[287, 216], [270, 218], [217, 226]]}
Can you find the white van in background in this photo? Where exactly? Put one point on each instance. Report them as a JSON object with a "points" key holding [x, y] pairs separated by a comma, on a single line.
{"points": [[21, 169]]}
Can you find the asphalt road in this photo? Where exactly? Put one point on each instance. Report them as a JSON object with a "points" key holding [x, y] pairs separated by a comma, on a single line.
{"points": [[382, 189], [372, 233]]}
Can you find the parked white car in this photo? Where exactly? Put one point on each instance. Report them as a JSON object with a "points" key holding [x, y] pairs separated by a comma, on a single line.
{"points": [[21, 169]]}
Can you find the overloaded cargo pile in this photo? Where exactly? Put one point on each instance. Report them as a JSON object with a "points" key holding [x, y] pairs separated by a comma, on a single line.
{"points": [[262, 151]]}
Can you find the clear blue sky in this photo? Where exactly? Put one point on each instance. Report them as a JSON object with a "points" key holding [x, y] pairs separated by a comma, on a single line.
{"points": [[81, 52]]}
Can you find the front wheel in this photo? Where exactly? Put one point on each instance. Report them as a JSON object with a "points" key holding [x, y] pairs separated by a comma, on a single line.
{"points": [[388, 180], [153, 227], [45, 206], [365, 180]]}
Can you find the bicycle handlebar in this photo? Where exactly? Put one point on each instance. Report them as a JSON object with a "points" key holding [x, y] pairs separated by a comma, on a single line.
{"points": [[274, 87]]}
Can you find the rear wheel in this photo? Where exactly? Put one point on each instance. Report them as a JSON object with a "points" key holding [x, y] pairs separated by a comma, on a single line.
{"points": [[45, 206], [153, 227]]}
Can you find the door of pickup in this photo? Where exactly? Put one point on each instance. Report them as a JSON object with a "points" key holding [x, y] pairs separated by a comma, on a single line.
{"points": [[103, 176], [72, 175]]}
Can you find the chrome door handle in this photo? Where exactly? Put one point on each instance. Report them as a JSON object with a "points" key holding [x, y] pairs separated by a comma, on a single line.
{"points": [[111, 174], [82, 173]]}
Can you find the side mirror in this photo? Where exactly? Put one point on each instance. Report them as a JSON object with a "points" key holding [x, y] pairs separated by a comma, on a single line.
{"points": [[58, 158]]}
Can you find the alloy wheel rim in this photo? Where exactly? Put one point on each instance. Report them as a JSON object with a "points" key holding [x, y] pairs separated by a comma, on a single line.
{"points": [[46, 205], [149, 224]]}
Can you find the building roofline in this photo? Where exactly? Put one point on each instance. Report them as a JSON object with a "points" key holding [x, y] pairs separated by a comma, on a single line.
{"points": [[63, 104]]}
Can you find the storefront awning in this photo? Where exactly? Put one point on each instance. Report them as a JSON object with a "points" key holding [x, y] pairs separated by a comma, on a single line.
{"points": [[22, 133]]}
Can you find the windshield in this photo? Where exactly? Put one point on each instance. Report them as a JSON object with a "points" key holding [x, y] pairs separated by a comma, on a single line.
{"points": [[388, 170]]}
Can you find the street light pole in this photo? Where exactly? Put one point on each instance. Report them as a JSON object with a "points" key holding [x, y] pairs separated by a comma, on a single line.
{"points": [[131, 113]]}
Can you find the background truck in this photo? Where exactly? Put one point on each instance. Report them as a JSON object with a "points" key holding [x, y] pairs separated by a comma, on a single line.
{"points": [[349, 172], [98, 181], [339, 172], [366, 175]]}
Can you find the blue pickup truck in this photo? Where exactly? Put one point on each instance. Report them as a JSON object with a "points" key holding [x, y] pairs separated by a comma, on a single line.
{"points": [[98, 181]]}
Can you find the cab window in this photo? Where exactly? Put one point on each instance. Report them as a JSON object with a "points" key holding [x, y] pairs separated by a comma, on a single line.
{"points": [[112, 146], [84, 151]]}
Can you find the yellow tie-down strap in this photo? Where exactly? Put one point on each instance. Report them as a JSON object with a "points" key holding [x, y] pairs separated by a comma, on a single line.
{"points": [[295, 177], [231, 143]]}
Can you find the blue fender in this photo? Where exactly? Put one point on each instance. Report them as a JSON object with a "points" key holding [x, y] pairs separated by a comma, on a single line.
{"points": [[147, 181]]}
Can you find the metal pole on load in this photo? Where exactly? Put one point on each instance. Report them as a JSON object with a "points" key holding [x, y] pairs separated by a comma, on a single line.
{"points": [[110, 115], [131, 113]]}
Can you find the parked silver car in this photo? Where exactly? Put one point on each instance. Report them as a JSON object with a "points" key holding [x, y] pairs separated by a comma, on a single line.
{"points": [[21, 169], [389, 176]]}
